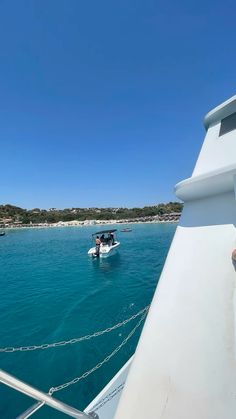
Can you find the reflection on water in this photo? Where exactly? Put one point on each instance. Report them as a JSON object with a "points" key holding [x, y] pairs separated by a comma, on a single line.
{"points": [[107, 264]]}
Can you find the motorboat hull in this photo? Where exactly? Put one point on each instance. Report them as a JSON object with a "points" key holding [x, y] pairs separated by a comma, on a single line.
{"points": [[105, 250]]}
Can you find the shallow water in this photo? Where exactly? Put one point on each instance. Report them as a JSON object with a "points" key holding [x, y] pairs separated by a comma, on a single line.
{"points": [[51, 291]]}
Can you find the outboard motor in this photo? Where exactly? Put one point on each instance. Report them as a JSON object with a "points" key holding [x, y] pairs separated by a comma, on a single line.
{"points": [[97, 254]]}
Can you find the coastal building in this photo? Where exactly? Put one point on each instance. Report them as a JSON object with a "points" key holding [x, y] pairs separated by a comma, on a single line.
{"points": [[5, 222], [172, 216]]}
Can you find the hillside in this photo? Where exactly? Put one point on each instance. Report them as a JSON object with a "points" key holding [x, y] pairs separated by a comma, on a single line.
{"points": [[19, 215]]}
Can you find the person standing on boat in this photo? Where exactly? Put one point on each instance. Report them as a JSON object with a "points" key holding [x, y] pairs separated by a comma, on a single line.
{"points": [[112, 239], [98, 243]]}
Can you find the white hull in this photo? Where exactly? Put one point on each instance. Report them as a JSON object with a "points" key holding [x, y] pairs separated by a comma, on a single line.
{"points": [[105, 250], [105, 403]]}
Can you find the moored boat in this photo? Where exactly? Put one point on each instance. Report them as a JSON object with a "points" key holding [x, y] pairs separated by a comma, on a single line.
{"points": [[106, 244]]}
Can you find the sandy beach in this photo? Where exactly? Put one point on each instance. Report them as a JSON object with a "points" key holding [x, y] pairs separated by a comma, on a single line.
{"points": [[76, 223]]}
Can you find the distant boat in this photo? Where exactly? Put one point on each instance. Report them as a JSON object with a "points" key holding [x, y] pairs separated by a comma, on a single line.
{"points": [[2, 233], [126, 230]]}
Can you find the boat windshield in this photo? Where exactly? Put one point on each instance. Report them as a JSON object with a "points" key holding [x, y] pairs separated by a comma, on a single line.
{"points": [[106, 237]]}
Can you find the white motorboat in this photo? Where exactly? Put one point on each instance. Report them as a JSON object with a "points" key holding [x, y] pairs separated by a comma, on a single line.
{"points": [[106, 244]]}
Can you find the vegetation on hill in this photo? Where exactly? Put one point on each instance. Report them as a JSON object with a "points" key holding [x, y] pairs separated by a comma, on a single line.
{"points": [[53, 215]]}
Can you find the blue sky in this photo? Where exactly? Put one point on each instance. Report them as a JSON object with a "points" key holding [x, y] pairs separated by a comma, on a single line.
{"points": [[101, 103]]}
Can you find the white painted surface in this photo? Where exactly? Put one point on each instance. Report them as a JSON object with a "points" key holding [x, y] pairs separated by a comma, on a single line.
{"points": [[185, 364], [221, 111], [105, 404], [216, 151], [209, 184]]}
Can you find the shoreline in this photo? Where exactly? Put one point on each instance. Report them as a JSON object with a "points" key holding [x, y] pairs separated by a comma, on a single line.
{"points": [[86, 224]]}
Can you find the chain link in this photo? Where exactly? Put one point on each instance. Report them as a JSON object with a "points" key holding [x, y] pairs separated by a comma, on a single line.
{"points": [[74, 340], [102, 402], [100, 364]]}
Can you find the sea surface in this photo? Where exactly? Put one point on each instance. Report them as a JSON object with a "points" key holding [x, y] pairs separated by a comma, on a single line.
{"points": [[52, 291]]}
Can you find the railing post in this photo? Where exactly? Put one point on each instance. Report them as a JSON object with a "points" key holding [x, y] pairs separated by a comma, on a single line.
{"points": [[31, 410], [30, 391]]}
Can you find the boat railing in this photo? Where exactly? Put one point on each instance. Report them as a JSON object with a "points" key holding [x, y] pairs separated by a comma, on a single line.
{"points": [[46, 398], [42, 399]]}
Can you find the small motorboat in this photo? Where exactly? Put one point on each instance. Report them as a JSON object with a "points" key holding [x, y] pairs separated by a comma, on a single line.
{"points": [[126, 230], [106, 244], [2, 233]]}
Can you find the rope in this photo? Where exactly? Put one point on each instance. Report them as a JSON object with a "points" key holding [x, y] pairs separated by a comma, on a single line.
{"points": [[100, 364], [74, 340]]}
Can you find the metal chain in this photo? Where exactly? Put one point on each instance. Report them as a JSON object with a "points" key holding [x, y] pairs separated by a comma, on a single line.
{"points": [[100, 364], [102, 402], [74, 340]]}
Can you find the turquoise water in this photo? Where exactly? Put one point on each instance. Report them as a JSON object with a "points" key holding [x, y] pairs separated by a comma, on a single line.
{"points": [[51, 291]]}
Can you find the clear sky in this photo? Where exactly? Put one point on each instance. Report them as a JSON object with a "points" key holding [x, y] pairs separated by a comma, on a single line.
{"points": [[101, 102]]}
